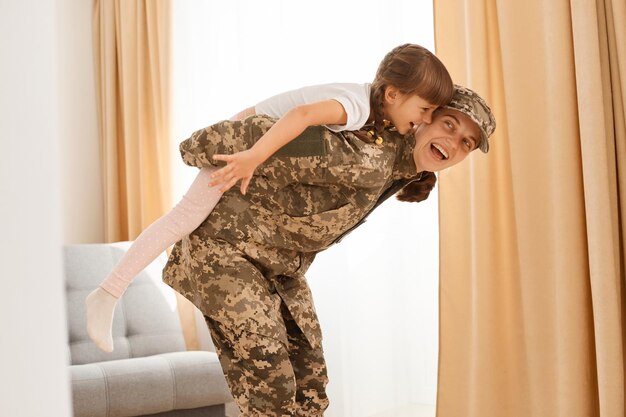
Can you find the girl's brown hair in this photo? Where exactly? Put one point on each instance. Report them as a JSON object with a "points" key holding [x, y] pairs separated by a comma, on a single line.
{"points": [[412, 69]]}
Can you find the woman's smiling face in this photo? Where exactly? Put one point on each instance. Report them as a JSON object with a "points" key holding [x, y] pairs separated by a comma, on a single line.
{"points": [[445, 142]]}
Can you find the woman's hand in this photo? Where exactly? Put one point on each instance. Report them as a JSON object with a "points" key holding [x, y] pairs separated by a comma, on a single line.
{"points": [[239, 166]]}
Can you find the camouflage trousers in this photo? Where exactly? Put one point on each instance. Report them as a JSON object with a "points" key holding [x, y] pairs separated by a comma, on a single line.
{"points": [[268, 378]]}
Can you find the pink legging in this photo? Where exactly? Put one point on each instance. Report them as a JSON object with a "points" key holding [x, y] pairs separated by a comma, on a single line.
{"points": [[183, 219]]}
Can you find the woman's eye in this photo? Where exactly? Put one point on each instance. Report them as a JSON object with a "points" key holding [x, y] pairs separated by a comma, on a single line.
{"points": [[448, 124], [469, 144]]}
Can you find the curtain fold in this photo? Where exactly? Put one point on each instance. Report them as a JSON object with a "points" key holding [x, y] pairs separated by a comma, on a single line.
{"points": [[132, 64], [132, 60], [599, 41], [532, 234]]}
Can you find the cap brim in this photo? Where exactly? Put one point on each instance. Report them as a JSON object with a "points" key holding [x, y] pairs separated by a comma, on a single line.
{"points": [[484, 142]]}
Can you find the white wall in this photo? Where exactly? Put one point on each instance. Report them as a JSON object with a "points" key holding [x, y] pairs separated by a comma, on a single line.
{"points": [[33, 352], [81, 179]]}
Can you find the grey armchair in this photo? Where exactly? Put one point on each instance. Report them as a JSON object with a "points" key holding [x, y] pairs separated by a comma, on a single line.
{"points": [[149, 372]]}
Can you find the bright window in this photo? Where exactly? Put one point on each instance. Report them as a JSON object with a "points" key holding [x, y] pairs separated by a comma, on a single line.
{"points": [[376, 292]]}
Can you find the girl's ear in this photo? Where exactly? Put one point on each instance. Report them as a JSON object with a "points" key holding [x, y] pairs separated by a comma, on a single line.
{"points": [[391, 93]]}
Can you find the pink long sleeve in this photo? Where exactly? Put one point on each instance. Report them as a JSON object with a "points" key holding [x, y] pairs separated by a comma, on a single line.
{"points": [[188, 214]]}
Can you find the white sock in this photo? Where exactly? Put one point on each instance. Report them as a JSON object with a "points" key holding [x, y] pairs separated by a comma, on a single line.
{"points": [[100, 306]]}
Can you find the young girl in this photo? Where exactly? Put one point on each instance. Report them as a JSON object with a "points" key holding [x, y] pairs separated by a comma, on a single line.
{"points": [[410, 83]]}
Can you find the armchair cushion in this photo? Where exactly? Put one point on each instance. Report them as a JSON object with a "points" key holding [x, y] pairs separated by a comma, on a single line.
{"points": [[149, 371]]}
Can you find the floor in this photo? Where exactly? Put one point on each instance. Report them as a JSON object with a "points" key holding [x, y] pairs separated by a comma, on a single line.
{"points": [[415, 410]]}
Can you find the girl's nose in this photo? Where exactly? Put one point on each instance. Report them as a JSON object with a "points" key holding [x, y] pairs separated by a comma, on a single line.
{"points": [[427, 117]]}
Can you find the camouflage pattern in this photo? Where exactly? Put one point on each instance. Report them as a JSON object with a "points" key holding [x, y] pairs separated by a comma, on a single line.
{"points": [[281, 380], [251, 253], [471, 104]]}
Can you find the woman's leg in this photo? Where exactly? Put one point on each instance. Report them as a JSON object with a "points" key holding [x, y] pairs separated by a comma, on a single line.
{"points": [[309, 369], [267, 378], [242, 311], [185, 217], [257, 369]]}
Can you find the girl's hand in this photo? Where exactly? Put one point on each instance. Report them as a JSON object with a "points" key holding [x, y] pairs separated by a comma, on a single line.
{"points": [[239, 166]]}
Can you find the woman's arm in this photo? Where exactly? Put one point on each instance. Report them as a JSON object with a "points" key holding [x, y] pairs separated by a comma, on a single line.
{"points": [[241, 165]]}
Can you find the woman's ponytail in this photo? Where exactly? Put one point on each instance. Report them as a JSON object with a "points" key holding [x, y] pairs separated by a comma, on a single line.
{"points": [[418, 190]]}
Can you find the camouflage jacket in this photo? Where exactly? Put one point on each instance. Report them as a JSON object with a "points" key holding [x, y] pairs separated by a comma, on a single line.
{"points": [[300, 201]]}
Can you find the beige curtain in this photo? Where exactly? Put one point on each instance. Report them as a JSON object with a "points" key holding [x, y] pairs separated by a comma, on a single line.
{"points": [[132, 59], [132, 63], [532, 278]]}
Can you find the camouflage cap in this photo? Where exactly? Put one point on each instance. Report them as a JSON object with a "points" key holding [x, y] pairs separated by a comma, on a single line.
{"points": [[470, 103]]}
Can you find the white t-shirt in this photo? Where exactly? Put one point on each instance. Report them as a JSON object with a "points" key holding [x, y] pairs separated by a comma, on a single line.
{"points": [[355, 99]]}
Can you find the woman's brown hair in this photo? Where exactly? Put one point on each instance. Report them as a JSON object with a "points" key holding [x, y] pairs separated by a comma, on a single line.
{"points": [[418, 190]]}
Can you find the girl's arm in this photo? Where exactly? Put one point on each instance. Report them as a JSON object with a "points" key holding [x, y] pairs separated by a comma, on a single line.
{"points": [[243, 114], [241, 165]]}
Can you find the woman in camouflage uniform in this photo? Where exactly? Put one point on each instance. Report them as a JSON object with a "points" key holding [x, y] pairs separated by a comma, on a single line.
{"points": [[244, 266]]}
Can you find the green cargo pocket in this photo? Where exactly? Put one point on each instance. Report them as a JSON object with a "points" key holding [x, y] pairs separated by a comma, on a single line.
{"points": [[308, 143]]}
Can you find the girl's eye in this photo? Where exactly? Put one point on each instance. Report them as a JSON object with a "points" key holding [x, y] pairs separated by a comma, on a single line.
{"points": [[448, 124]]}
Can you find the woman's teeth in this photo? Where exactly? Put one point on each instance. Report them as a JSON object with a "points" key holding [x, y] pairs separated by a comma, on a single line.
{"points": [[442, 151]]}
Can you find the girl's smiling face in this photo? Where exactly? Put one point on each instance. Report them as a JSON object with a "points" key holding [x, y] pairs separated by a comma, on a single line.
{"points": [[406, 111], [445, 142]]}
